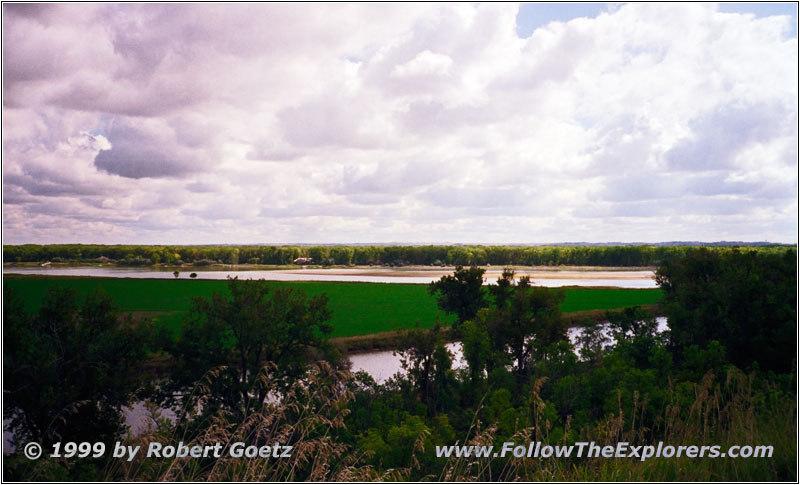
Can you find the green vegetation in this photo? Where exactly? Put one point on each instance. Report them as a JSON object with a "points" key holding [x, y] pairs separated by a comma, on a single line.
{"points": [[70, 366], [751, 298], [236, 333], [700, 384], [460, 294], [357, 308], [137, 255]]}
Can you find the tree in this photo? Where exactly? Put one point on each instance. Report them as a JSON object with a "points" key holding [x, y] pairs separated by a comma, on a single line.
{"points": [[249, 326], [529, 322], [747, 301], [460, 293], [476, 349], [632, 323], [427, 361], [635, 332], [591, 342], [70, 368], [502, 291]]}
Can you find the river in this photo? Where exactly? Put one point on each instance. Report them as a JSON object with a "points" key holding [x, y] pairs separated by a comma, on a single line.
{"points": [[383, 364], [541, 277]]}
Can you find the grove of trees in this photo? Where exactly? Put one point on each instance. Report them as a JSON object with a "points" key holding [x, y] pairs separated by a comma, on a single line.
{"points": [[643, 255]]}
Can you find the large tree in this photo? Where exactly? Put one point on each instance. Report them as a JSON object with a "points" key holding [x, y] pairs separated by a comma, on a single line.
{"points": [[69, 369], [528, 321], [427, 361], [461, 293], [747, 301], [515, 330], [242, 330]]}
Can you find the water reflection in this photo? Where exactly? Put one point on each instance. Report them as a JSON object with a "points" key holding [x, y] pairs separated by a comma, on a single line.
{"points": [[383, 365]]}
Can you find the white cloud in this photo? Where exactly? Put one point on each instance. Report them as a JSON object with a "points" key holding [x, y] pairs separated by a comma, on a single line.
{"points": [[426, 63], [395, 122]]}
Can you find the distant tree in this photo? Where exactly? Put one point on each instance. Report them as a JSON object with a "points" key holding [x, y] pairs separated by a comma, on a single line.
{"points": [[342, 255], [69, 369], [632, 323], [635, 332], [591, 342], [460, 293]]}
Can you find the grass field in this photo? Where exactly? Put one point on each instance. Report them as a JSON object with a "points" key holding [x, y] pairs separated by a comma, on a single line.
{"points": [[358, 308]]}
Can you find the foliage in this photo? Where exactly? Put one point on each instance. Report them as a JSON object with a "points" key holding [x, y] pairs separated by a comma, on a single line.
{"points": [[241, 330], [428, 365], [70, 368], [629, 384], [568, 255], [461, 293], [747, 301]]}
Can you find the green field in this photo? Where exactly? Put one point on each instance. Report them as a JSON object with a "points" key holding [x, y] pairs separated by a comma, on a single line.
{"points": [[358, 308]]}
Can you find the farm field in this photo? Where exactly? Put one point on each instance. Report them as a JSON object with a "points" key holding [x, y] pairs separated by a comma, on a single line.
{"points": [[358, 308]]}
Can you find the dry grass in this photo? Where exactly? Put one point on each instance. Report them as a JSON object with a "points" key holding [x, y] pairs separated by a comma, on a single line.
{"points": [[727, 412], [716, 411], [305, 417]]}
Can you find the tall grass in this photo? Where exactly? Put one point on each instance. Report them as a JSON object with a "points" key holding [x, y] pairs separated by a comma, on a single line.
{"points": [[311, 416], [725, 412], [305, 417]]}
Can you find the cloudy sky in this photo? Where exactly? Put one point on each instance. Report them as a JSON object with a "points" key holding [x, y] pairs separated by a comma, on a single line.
{"points": [[492, 123]]}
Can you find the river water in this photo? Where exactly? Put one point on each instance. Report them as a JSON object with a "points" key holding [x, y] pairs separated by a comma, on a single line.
{"points": [[550, 278], [383, 364]]}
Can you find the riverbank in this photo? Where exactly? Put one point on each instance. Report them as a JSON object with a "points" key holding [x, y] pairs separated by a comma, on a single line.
{"points": [[383, 341]]}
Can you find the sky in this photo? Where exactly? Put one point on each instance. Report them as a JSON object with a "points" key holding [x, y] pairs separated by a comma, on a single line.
{"points": [[490, 123]]}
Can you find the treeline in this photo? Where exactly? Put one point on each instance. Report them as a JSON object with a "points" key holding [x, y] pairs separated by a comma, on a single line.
{"points": [[431, 255]]}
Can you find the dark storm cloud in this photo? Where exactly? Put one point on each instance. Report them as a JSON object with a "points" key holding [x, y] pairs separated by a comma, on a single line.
{"points": [[50, 183]]}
